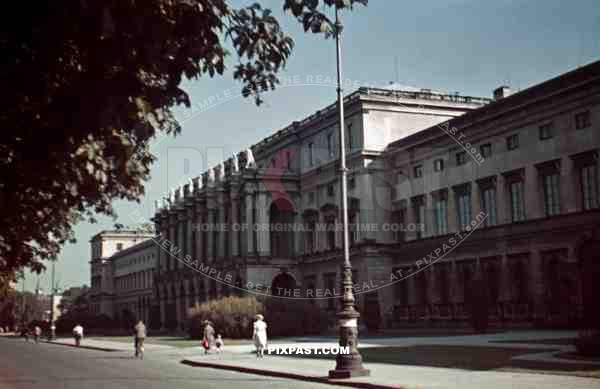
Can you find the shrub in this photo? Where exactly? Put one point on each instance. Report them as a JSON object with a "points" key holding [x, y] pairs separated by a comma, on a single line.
{"points": [[232, 316]]}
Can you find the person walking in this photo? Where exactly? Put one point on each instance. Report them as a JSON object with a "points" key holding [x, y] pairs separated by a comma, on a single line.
{"points": [[140, 337], [260, 335], [37, 332], [219, 343], [208, 340], [25, 333], [78, 334]]}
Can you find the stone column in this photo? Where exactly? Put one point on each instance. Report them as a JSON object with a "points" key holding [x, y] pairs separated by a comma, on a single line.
{"points": [[234, 228], [475, 201], [262, 206], [429, 216], [221, 233], [195, 297], [163, 230], [189, 233], [181, 223], [411, 219], [210, 252], [178, 297], [537, 284], [199, 234], [298, 234], [452, 211], [249, 231], [533, 196], [568, 187], [172, 241], [502, 201], [163, 308], [186, 299]]}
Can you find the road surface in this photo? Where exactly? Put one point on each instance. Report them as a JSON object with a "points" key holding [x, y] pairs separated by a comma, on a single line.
{"points": [[47, 366]]}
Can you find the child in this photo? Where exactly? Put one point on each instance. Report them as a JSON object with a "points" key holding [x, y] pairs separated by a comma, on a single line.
{"points": [[219, 343]]}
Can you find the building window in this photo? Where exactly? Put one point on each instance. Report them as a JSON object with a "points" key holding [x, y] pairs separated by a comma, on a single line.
{"points": [[352, 182], [551, 184], [589, 186], [353, 227], [512, 142], [119, 246], [438, 165], [546, 131], [330, 144], [418, 171], [350, 137], [310, 282], [311, 161], [582, 120], [330, 190], [461, 158], [330, 233], [464, 209], [486, 150], [517, 199], [419, 212], [310, 236], [398, 230], [440, 211], [400, 286], [488, 205]]}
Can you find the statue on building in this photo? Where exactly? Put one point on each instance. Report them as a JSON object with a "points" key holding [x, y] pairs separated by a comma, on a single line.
{"points": [[250, 162], [220, 171], [211, 175], [235, 164]]}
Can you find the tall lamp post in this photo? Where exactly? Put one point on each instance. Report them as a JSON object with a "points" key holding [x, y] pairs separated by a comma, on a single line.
{"points": [[52, 334], [347, 365]]}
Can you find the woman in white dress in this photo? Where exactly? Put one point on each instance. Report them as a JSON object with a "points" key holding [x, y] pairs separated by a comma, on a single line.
{"points": [[260, 335]]}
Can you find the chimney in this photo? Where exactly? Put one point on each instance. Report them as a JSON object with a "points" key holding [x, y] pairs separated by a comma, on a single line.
{"points": [[501, 92]]}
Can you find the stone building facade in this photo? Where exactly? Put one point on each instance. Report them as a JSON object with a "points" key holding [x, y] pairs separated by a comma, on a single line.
{"points": [[122, 273], [516, 177], [525, 169]]}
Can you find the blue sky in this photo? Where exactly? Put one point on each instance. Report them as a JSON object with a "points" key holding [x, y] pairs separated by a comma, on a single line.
{"points": [[469, 46]]}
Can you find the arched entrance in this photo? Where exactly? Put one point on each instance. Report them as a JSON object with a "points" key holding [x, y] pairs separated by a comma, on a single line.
{"points": [[283, 285], [281, 218]]}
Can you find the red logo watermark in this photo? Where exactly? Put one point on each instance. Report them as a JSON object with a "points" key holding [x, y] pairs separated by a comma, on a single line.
{"points": [[272, 178]]}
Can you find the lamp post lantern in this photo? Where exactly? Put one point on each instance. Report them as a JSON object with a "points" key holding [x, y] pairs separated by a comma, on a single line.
{"points": [[347, 365]]}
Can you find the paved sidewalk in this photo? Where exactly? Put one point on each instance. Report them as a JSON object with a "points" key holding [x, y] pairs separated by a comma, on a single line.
{"points": [[105, 345], [390, 376]]}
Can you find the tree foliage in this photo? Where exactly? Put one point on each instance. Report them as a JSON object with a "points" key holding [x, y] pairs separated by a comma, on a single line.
{"points": [[87, 84]]}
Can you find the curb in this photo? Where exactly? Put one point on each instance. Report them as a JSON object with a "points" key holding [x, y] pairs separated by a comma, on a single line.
{"points": [[293, 376], [86, 347]]}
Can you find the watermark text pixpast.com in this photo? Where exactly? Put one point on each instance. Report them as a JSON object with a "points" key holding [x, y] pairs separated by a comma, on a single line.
{"points": [[334, 350]]}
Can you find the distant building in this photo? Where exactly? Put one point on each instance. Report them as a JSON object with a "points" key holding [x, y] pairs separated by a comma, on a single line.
{"points": [[119, 258]]}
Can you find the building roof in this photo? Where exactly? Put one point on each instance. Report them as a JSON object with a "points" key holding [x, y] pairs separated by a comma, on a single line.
{"points": [[132, 249], [518, 100], [129, 232]]}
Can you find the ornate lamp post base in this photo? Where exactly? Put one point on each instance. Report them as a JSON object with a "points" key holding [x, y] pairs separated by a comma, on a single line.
{"points": [[348, 365]]}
